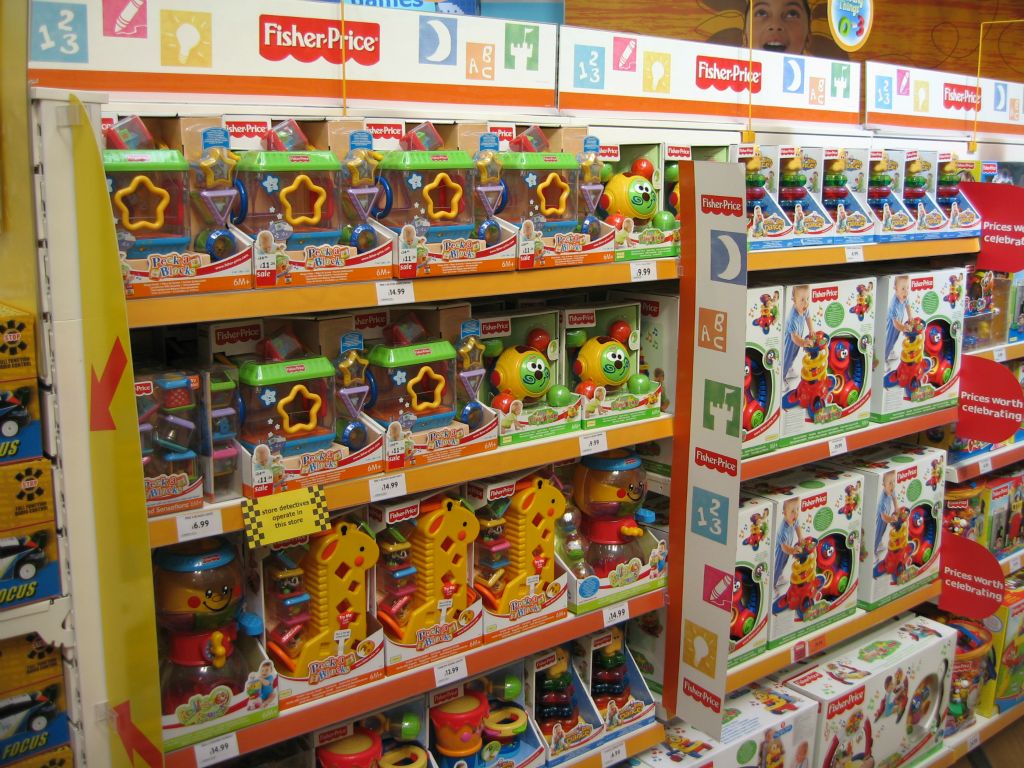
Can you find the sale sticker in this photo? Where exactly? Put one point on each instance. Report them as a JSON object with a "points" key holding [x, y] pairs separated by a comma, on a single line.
{"points": [[972, 579], [450, 672], [284, 516], [991, 406]]}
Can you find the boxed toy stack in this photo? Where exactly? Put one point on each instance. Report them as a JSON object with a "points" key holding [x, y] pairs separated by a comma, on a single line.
{"points": [[762, 370], [815, 564], [918, 338], [34, 702], [561, 706], [610, 673], [885, 196], [903, 487], [880, 697], [29, 567], [844, 194]]}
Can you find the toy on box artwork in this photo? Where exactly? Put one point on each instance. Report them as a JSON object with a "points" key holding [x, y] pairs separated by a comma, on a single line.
{"points": [[971, 670], [387, 739], [523, 373], [168, 407], [630, 204], [33, 704]]}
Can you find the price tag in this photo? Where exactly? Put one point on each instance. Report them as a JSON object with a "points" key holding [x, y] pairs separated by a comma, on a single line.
{"points": [[837, 446], [450, 672], [999, 354], [642, 271], [616, 614], [199, 525], [985, 465], [973, 740], [395, 292], [216, 750], [1015, 563], [616, 753], [593, 442], [387, 487], [854, 253]]}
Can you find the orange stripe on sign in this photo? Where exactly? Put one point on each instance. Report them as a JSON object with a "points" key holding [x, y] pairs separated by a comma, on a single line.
{"points": [[652, 104], [949, 123], [243, 85]]}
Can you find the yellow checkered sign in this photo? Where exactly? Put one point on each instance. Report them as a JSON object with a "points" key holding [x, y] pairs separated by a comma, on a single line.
{"points": [[285, 516]]}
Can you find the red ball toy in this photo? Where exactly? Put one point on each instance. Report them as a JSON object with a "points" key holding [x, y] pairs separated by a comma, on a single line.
{"points": [[620, 331], [643, 167], [615, 220], [539, 339]]}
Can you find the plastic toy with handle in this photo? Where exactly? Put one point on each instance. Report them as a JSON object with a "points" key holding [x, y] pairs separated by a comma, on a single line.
{"points": [[606, 361], [813, 392], [378, 741], [804, 581]]}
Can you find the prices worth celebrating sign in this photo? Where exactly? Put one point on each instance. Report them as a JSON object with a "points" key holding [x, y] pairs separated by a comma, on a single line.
{"points": [[991, 401]]}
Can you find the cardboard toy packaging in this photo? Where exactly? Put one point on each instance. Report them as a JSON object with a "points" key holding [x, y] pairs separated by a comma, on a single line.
{"points": [[1005, 687], [844, 195], [965, 511], [963, 219], [815, 562], [827, 345], [885, 196], [645, 636], [659, 338], [752, 586], [919, 321], [610, 673], [18, 343], [763, 725], [902, 493], [762, 370], [881, 696], [34, 701], [400, 733], [1003, 500], [29, 566], [21, 429]]}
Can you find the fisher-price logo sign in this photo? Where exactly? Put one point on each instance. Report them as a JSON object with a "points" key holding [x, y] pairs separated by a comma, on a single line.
{"points": [[965, 97], [731, 74], [846, 703], [922, 283], [307, 39], [905, 475], [722, 204]]}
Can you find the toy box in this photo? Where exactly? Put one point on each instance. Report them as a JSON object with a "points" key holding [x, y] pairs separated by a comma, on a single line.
{"points": [[520, 582], [51, 758], [484, 722], [962, 218], [645, 636], [561, 707], [29, 567], [214, 675], [761, 726], [608, 671], [320, 649], [751, 585], [1008, 534], [659, 338], [972, 668], [827, 346], [965, 512], [918, 187], [893, 222], [1005, 688], [815, 563], [608, 543], [167, 403], [656, 456], [783, 196], [644, 228], [424, 596], [601, 361], [918, 338], [881, 696], [902, 492], [32, 698], [21, 430], [524, 376], [762, 370], [987, 309], [844, 195], [957, 448], [398, 735], [18, 343]]}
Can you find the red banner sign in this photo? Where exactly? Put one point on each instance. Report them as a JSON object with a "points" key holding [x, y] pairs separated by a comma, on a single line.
{"points": [[972, 580], [991, 401], [1002, 230]]}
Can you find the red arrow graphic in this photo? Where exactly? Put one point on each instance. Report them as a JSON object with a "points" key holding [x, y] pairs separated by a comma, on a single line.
{"points": [[103, 389], [134, 740]]}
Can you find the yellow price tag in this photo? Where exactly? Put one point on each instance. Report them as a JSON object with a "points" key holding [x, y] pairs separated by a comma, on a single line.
{"points": [[284, 516]]}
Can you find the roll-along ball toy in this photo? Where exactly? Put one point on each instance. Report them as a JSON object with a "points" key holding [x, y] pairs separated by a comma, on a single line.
{"points": [[521, 373], [631, 194], [604, 361], [845, 384], [939, 350]]}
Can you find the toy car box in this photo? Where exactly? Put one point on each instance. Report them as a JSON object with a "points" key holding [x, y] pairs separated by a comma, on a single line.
{"points": [[33, 702], [424, 597], [761, 726], [400, 733], [1005, 687], [29, 566], [881, 696], [18, 343], [601, 360], [827, 345], [903, 490], [919, 320], [659, 338], [762, 370], [815, 562], [560, 706], [844, 195], [893, 222], [610, 673], [752, 586]]}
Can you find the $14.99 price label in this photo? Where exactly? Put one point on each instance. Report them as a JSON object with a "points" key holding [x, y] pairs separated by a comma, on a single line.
{"points": [[387, 487], [216, 750], [395, 292]]}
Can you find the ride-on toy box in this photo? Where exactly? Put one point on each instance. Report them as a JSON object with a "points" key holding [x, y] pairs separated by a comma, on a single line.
{"points": [[561, 706], [827, 346], [902, 530], [815, 560], [762, 370], [752, 585], [881, 697], [33, 707], [29, 569]]}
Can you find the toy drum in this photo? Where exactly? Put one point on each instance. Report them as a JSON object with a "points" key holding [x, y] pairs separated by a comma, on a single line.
{"points": [[404, 756], [458, 725], [505, 725], [970, 672], [363, 749]]}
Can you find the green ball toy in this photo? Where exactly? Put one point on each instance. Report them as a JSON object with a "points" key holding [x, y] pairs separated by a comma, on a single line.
{"points": [[639, 384], [665, 221], [560, 396]]}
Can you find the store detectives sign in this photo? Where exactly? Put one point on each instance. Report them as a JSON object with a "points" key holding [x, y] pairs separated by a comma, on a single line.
{"points": [[991, 404], [972, 579], [1002, 230]]}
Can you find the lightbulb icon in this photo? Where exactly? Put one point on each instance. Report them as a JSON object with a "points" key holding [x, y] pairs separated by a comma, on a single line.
{"points": [[188, 36]]}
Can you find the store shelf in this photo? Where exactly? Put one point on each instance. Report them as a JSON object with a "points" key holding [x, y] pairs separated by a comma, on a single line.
{"points": [[800, 455], [1012, 563], [622, 748], [233, 305], [418, 681], [837, 254], [985, 463], [164, 530], [1002, 352], [772, 661], [958, 745]]}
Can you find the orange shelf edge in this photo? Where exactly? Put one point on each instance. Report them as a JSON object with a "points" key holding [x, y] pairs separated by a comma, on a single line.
{"points": [[786, 258], [798, 456], [985, 463], [1002, 352], [400, 687], [773, 660], [984, 729]]}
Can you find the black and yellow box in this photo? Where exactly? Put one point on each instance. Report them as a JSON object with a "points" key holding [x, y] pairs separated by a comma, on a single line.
{"points": [[62, 757], [32, 699], [21, 431], [17, 344], [29, 568]]}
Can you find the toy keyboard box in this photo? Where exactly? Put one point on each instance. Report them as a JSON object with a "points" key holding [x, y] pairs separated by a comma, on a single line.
{"points": [[320, 650], [522, 357], [659, 338], [18, 343], [762, 370], [844, 195], [815, 550], [29, 567], [425, 598], [645, 636], [903, 489], [601, 360], [761, 726], [881, 696], [33, 701], [893, 222], [494, 707], [1004, 688], [752, 585], [919, 321], [516, 574], [609, 672], [397, 735], [827, 346], [561, 706]]}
